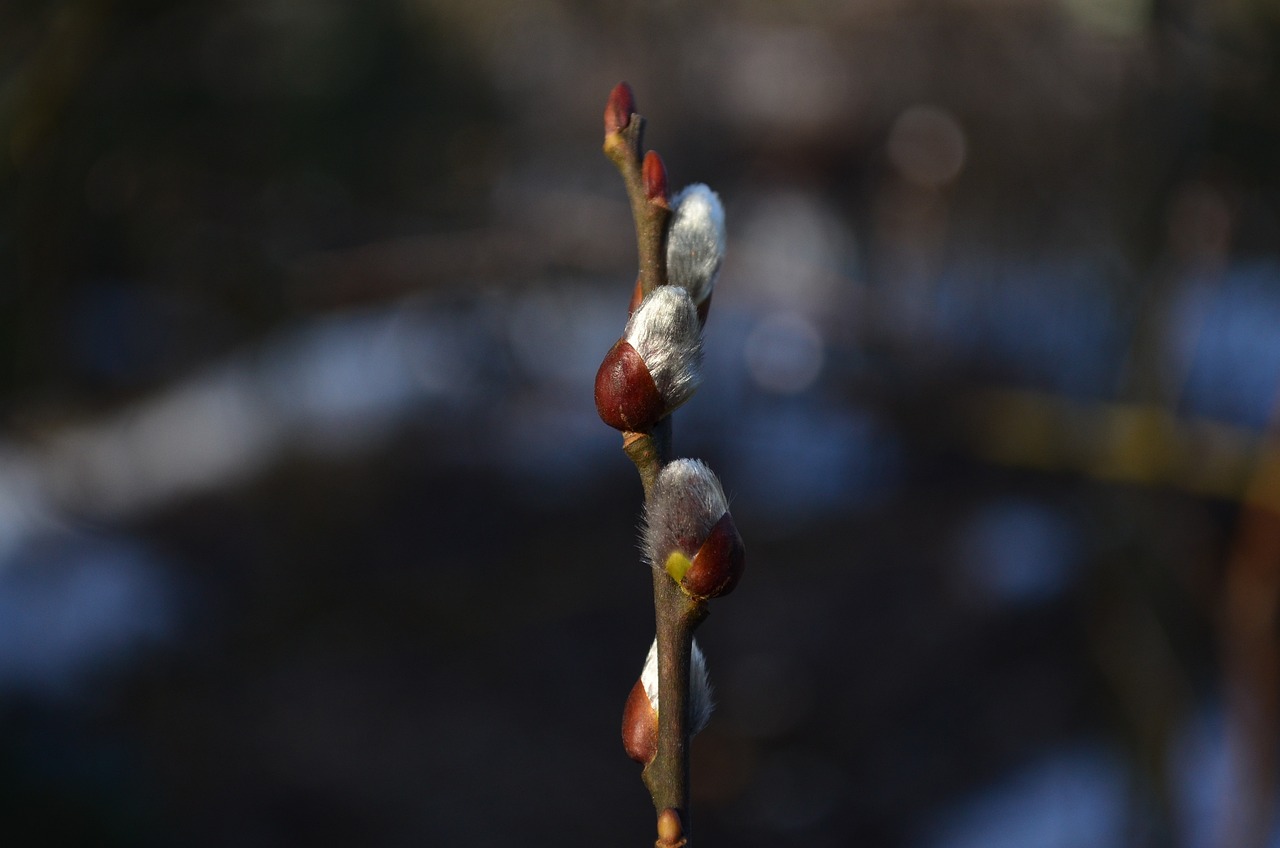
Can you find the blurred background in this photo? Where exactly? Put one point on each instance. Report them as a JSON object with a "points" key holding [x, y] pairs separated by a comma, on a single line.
{"points": [[310, 535]]}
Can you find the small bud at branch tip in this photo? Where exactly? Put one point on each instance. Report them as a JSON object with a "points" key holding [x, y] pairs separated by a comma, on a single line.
{"points": [[619, 109]]}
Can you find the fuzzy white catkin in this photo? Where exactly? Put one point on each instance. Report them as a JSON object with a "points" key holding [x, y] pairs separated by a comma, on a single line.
{"points": [[701, 701], [665, 331], [685, 503], [695, 241]]}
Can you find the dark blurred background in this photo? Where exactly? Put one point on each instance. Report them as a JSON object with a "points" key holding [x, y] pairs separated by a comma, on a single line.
{"points": [[309, 533]]}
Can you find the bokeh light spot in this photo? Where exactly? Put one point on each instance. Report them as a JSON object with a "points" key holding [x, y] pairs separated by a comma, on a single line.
{"points": [[928, 146], [784, 354]]}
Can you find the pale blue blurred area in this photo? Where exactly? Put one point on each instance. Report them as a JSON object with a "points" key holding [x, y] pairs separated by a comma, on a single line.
{"points": [[1054, 324], [1070, 799], [1080, 796], [1017, 553], [1224, 334], [76, 610]]}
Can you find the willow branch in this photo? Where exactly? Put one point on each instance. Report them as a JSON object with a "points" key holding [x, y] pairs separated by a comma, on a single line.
{"points": [[649, 451], [677, 614], [625, 148]]}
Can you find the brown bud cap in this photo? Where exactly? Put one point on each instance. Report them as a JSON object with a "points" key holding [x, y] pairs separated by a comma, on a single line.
{"points": [[670, 830], [626, 396], [655, 179], [719, 563], [639, 726]]}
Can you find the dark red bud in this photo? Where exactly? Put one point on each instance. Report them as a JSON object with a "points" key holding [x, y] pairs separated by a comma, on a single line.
{"points": [[639, 726], [618, 111], [655, 179], [626, 396], [719, 563]]}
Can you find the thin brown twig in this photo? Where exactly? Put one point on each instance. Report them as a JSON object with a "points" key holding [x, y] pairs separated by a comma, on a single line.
{"points": [[625, 149], [677, 614]]}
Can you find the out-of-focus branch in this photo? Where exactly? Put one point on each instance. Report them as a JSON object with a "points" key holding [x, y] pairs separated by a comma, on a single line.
{"points": [[1251, 654]]}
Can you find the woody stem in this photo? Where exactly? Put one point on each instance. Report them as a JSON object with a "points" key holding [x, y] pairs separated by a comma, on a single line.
{"points": [[677, 615], [625, 148]]}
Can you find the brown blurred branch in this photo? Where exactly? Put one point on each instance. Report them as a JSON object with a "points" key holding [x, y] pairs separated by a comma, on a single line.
{"points": [[1251, 653]]}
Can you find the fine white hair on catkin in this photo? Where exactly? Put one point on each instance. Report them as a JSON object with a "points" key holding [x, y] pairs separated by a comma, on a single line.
{"points": [[666, 333], [695, 241], [701, 695], [685, 503]]}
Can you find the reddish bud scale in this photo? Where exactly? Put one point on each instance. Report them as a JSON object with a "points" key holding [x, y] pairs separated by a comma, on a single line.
{"points": [[655, 179], [639, 726], [619, 109], [719, 563], [626, 396], [637, 297]]}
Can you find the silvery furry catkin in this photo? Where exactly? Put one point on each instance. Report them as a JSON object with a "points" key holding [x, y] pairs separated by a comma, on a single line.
{"points": [[666, 333], [695, 241], [686, 502], [701, 695]]}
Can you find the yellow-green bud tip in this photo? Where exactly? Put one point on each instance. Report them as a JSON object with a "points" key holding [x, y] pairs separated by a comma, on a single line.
{"points": [[678, 565]]}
